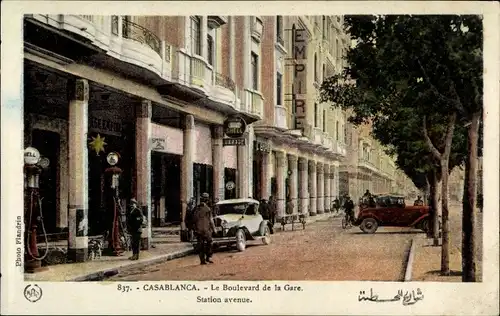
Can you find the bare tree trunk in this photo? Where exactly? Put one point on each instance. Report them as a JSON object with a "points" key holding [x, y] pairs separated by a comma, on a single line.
{"points": [[434, 192], [445, 250], [469, 255]]}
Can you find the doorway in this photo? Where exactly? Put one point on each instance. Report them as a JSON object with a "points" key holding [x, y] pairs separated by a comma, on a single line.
{"points": [[165, 188], [48, 144]]}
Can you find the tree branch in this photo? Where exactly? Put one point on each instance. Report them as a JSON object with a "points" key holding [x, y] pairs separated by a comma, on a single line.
{"points": [[456, 102], [449, 134], [428, 141]]}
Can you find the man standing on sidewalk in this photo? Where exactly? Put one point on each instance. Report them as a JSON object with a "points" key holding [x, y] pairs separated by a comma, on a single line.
{"points": [[272, 209], [135, 221], [204, 226]]}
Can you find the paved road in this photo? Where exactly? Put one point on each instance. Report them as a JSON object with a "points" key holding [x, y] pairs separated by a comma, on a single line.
{"points": [[324, 251]]}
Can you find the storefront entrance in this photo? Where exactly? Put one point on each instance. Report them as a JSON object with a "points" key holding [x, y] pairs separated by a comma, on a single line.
{"points": [[165, 189], [48, 144]]}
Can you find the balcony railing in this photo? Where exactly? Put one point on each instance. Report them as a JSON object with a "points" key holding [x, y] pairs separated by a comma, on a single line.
{"points": [[224, 81], [140, 34], [197, 72], [88, 17], [257, 104]]}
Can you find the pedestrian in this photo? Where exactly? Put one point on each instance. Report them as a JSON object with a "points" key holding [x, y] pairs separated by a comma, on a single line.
{"points": [[418, 201], [272, 209], [336, 205], [135, 222], [349, 209], [264, 209], [204, 226], [189, 219], [289, 206], [215, 207]]}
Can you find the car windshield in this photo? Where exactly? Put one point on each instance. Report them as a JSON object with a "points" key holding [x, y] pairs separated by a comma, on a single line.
{"points": [[236, 208], [389, 201]]}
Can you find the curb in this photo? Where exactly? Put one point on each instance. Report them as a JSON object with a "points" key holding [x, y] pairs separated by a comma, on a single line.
{"points": [[409, 263], [109, 272]]}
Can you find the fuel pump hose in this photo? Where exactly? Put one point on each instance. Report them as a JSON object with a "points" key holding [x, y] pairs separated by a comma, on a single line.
{"points": [[34, 196]]}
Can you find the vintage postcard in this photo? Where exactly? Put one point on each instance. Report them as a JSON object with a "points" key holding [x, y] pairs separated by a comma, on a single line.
{"points": [[270, 157]]}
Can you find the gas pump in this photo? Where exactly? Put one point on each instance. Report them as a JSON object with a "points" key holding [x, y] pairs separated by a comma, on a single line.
{"points": [[33, 214], [117, 234]]}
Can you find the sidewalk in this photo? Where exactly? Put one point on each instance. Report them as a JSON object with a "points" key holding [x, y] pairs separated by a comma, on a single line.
{"points": [[109, 265], [427, 262]]}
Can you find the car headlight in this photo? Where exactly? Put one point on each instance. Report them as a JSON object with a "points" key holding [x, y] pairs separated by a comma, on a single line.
{"points": [[224, 224]]}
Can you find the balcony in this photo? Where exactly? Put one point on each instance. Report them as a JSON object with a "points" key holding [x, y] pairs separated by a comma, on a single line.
{"points": [[257, 28], [224, 89], [201, 74], [281, 117], [140, 34], [364, 163], [216, 21], [257, 105], [317, 136]]}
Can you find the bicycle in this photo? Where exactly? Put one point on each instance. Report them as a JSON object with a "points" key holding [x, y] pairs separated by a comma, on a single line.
{"points": [[347, 222]]}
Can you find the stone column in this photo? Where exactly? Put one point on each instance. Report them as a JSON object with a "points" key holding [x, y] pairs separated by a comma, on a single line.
{"points": [[265, 179], [218, 163], [187, 167], [337, 181], [312, 188], [162, 195], [303, 178], [78, 93], [280, 180], [320, 209], [292, 165], [143, 166], [327, 192], [243, 166], [332, 179]]}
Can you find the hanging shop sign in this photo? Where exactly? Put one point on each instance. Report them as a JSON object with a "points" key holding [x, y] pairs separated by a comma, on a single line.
{"points": [[158, 144], [31, 156], [233, 141], [235, 127], [262, 146]]}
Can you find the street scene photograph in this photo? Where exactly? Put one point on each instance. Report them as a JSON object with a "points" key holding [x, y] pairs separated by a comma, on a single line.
{"points": [[204, 147]]}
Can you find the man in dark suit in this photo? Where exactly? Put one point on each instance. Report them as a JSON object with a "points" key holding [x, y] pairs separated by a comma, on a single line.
{"points": [[204, 226], [135, 220]]}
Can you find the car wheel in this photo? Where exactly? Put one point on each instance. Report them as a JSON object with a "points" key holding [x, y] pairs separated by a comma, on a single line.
{"points": [[240, 240], [369, 225], [266, 240]]}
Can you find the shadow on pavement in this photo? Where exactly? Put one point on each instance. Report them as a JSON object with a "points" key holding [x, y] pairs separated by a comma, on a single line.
{"points": [[388, 233], [438, 272]]}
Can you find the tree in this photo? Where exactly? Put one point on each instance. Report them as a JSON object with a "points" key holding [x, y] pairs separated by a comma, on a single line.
{"points": [[430, 66]]}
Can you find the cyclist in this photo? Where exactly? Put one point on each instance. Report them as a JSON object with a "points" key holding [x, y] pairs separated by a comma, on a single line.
{"points": [[349, 209]]}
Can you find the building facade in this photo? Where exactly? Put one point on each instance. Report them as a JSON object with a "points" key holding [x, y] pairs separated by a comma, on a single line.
{"points": [[157, 90]]}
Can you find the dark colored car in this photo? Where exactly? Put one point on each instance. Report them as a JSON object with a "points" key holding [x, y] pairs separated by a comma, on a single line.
{"points": [[391, 210]]}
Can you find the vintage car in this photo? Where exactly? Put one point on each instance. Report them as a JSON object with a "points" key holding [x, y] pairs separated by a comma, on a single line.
{"points": [[237, 221], [391, 210]]}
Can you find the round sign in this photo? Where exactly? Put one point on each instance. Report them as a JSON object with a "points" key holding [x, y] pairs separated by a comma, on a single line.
{"points": [[234, 127], [31, 156], [112, 158], [230, 185], [44, 162]]}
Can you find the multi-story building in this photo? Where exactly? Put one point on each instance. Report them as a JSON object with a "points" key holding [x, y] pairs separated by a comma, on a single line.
{"points": [[157, 90]]}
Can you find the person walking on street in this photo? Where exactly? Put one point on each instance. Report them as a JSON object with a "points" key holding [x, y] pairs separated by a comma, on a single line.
{"points": [[289, 206], [336, 205], [135, 221], [204, 226], [418, 201], [264, 209], [272, 209], [189, 219], [349, 209]]}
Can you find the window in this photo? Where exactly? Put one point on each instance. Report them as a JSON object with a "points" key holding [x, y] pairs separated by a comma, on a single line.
{"points": [[316, 115], [279, 30], [279, 83], [196, 35], [210, 49], [126, 26], [337, 130], [255, 71], [324, 120], [315, 67]]}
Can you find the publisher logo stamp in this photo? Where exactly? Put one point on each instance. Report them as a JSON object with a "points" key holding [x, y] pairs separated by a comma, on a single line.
{"points": [[33, 293]]}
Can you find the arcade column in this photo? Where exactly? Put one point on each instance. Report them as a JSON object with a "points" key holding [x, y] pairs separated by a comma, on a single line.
{"points": [[187, 167], [78, 94], [312, 188], [292, 165], [245, 167], [303, 175], [328, 197], [280, 182], [320, 189], [218, 163], [143, 166], [265, 175], [332, 179]]}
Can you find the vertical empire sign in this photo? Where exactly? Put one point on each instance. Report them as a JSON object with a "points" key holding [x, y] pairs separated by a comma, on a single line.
{"points": [[299, 83]]}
